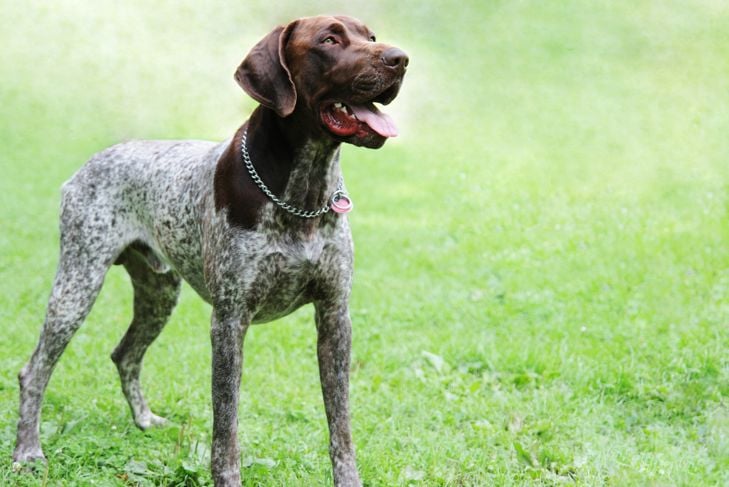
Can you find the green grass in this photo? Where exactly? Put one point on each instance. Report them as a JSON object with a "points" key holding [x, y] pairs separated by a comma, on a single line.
{"points": [[542, 285]]}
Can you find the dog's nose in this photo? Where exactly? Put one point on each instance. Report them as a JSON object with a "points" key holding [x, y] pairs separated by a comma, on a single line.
{"points": [[395, 58]]}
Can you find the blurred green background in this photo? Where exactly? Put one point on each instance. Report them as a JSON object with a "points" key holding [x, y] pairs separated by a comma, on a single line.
{"points": [[542, 279]]}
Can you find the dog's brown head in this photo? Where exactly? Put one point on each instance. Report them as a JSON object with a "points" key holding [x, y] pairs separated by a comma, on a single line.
{"points": [[330, 70]]}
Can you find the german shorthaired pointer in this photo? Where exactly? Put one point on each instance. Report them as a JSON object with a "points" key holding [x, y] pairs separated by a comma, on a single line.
{"points": [[256, 225]]}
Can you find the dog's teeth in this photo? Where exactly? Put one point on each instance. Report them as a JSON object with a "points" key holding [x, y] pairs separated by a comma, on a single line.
{"points": [[342, 108]]}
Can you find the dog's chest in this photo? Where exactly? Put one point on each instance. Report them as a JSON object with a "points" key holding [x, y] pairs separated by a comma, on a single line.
{"points": [[281, 276]]}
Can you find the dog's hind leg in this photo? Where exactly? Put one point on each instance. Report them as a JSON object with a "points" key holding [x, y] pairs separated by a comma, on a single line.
{"points": [[80, 274], [155, 296]]}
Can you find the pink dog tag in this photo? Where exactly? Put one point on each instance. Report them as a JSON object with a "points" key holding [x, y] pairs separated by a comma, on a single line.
{"points": [[341, 203]]}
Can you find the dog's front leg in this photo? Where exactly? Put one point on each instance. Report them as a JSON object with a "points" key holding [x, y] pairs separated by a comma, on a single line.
{"points": [[227, 333], [334, 342]]}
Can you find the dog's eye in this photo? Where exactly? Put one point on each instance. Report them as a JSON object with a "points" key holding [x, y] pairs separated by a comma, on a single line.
{"points": [[373, 38], [329, 40]]}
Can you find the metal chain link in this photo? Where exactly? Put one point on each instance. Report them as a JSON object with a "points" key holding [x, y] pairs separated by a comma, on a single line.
{"points": [[282, 204]]}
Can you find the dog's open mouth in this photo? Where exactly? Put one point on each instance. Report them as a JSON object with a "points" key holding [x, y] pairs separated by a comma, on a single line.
{"points": [[348, 119]]}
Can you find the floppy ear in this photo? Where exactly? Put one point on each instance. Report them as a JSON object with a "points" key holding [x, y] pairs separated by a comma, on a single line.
{"points": [[263, 74]]}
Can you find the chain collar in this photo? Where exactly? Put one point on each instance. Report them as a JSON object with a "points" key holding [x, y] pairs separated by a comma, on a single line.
{"points": [[334, 202]]}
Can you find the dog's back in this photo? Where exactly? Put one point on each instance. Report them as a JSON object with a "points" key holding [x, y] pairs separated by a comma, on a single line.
{"points": [[151, 193]]}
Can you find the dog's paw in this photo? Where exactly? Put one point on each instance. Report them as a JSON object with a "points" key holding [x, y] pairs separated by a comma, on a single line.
{"points": [[150, 420], [28, 459]]}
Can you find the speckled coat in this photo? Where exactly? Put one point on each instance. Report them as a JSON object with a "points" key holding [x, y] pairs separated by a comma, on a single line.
{"points": [[174, 210]]}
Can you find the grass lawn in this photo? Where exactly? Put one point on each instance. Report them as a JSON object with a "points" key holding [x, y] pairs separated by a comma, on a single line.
{"points": [[542, 283]]}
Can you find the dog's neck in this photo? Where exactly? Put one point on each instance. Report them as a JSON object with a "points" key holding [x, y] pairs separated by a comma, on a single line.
{"points": [[301, 169]]}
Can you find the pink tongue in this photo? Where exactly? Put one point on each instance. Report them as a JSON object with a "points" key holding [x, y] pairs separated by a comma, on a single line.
{"points": [[378, 121]]}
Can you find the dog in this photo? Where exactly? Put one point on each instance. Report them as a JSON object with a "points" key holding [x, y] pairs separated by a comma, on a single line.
{"points": [[256, 225]]}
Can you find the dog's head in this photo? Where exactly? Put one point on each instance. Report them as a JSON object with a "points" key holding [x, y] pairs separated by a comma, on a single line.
{"points": [[330, 70]]}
